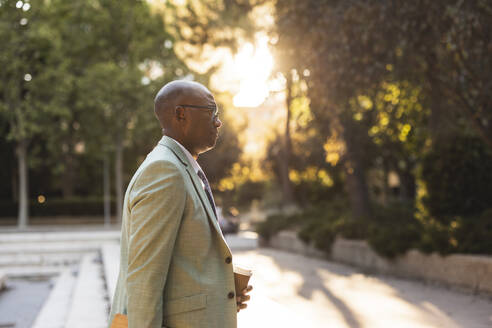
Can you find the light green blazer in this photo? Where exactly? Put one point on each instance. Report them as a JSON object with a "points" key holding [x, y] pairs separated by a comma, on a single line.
{"points": [[175, 266]]}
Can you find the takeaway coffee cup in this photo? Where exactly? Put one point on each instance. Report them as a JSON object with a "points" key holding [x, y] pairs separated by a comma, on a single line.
{"points": [[241, 278]]}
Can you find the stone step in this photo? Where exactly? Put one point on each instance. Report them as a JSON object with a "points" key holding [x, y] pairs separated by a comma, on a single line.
{"points": [[33, 270], [59, 236], [89, 307], [3, 279], [54, 312], [49, 259], [111, 263], [51, 247]]}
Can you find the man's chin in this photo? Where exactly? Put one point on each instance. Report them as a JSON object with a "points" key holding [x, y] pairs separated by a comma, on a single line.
{"points": [[212, 145], [208, 147], [213, 141]]}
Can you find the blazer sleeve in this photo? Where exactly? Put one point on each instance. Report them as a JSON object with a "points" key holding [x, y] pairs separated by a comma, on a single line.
{"points": [[157, 202]]}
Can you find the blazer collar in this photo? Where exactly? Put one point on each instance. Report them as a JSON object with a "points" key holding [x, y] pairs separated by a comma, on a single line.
{"points": [[174, 147], [171, 144]]}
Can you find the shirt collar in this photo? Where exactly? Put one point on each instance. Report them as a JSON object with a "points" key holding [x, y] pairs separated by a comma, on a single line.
{"points": [[193, 162]]}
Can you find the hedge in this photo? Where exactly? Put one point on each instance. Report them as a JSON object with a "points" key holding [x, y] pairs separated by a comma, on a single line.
{"points": [[391, 231], [58, 207]]}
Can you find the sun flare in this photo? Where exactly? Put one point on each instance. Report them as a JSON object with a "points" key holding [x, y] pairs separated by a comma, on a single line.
{"points": [[256, 94], [252, 66], [246, 74]]}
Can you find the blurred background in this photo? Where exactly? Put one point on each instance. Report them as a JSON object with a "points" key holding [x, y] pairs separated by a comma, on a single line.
{"points": [[354, 120]]}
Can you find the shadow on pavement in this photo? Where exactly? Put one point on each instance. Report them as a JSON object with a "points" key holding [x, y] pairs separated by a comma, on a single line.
{"points": [[360, 298]]}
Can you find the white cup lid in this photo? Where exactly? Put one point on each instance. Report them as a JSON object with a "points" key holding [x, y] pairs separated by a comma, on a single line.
{"points": [[241, 270]]}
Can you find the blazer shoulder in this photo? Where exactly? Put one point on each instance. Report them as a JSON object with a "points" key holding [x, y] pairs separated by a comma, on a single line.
{"points": [[157, 175], [162, 152], [162, 159]]}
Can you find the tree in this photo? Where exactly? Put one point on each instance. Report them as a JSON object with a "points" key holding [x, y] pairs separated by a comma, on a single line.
{"points": [[398, 130], [115, 50], [339, 40], [114, 98], [445, 46], [32, 81], [458, 176], [350, 49], [200, 29], [133, 43], [286, 151]]}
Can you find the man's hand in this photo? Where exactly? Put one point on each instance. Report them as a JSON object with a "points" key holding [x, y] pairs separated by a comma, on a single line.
{"points": [[240, 299]]}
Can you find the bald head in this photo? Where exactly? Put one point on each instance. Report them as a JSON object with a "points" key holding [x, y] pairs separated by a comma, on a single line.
{"points": [[176, 93], [187, 112]]}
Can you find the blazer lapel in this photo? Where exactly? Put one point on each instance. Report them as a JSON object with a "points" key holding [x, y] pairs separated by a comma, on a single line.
{"points": [[171, 144]]}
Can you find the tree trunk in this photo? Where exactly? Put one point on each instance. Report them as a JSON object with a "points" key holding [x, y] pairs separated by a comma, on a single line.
{"points": [[119, 178], [67, 186], [356, 178], [439, 118], [358, 194], [68, 183], [286, 147], [107, 192], [15, 186], [23, 214], [408, 189], [386, 189]]}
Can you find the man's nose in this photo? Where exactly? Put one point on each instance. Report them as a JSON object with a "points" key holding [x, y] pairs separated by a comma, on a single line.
{"points": [[217, 122]]}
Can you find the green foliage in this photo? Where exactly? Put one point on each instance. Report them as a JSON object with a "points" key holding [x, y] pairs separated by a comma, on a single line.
{"points": [[391, 232], [8, 209], [338, 60], [329, 211], [32, 78], [469, 235], [324, 222], [59, 207], [436, 237], [380, 73], [317, 224], [315, 184], [322, 235], [249, 191], [474, 234], [458, 175], [307, 231], [78, 77], [274, 224], [351, 228], [119, 53], [394, 230], [208, 23]]}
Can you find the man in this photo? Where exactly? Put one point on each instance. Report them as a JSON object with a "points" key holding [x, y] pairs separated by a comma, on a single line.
{"points": [[175, 267]]}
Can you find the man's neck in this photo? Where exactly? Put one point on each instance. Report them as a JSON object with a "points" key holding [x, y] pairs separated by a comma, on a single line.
{"points": [[183, 143]]}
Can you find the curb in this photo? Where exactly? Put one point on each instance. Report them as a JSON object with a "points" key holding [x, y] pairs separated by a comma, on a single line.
{"points": [[471, 272]]}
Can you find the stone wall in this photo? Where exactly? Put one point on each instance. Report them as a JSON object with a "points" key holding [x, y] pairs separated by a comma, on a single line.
{"points": [[472, 272]]}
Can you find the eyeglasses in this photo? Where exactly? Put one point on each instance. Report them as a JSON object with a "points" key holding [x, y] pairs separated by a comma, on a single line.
{"points": [[214, 109]]}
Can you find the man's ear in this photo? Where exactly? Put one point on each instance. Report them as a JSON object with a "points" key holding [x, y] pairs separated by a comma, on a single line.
{"points": [[180, 113]]}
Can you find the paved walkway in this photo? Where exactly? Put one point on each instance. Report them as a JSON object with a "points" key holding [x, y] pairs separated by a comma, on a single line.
{"points": [[72, 260], [21, 301], [293, 291], [289, 290]]}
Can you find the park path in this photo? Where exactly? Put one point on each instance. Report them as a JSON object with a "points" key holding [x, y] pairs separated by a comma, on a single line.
{"points": [[291, 290]]}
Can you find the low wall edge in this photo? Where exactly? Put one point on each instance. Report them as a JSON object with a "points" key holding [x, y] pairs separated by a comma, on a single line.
{"points": [[472, 272]]}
